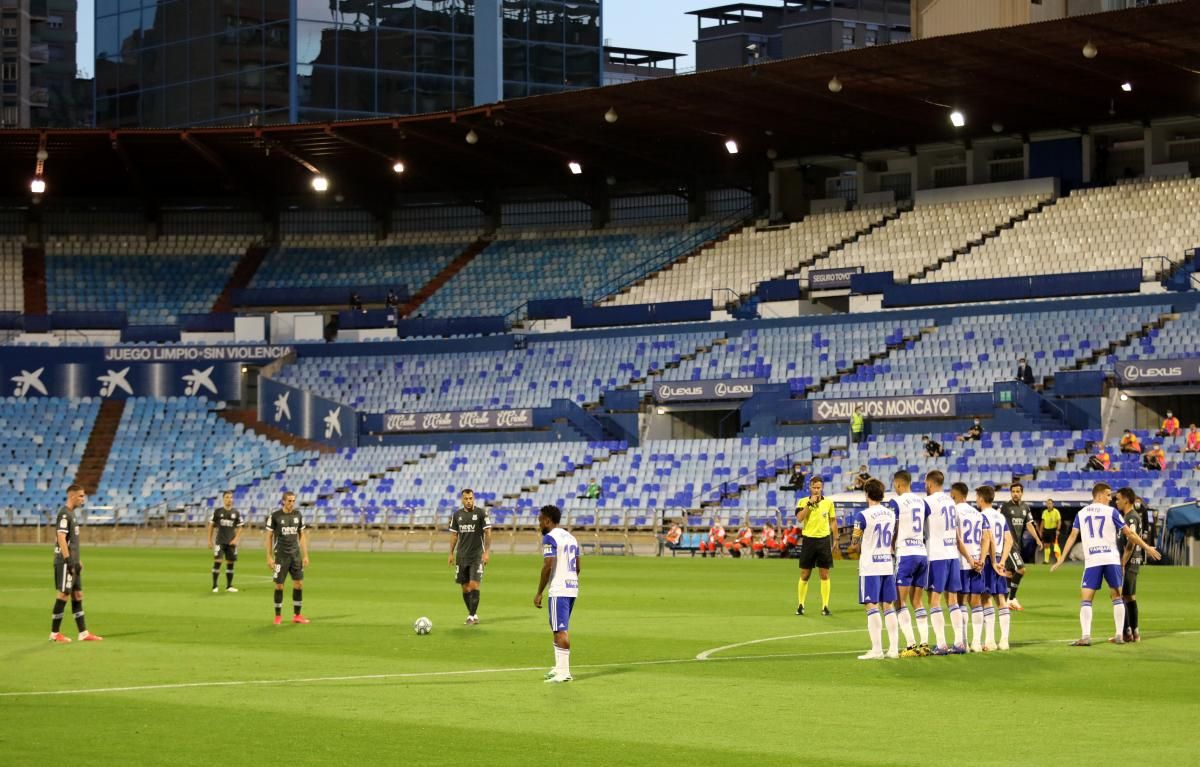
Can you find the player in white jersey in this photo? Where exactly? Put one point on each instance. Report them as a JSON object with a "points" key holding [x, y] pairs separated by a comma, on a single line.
{"points": [[912, 569], [1096, 525], [874, 529], [560, 570], [995, 598], [977, 540], [945, 547]]}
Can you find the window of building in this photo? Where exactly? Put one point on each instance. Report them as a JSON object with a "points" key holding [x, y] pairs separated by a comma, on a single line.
{"points": [[54, 22], [9, 116], [847, 35], [8, 28], [871, 37], [8, 70]]}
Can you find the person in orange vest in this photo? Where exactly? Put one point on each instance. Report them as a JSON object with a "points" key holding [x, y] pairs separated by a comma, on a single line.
{"points": [[775, 542], [671, 539], [1130, 443], [1193, 440], [1101, 461], [791, 539], [1155, 459], [1170, 426], [765, 541], [715, 544], [744, 540]]}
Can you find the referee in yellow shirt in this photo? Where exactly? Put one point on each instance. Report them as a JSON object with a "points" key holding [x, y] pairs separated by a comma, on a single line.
{"points": [[817, 515], [1051, 522]]}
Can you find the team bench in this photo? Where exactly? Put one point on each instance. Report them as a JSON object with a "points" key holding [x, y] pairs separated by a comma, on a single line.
{"points": [[613, 549]]}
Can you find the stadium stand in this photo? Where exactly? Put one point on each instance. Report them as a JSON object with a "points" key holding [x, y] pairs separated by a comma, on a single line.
{"points": [[167, 451], [154, 282], [521, 266], [337, 260], [801, 355], [970, 353], [1178, 337], [40, 451], [12, 294], [750, 256], [578, 370], [923, 237], [1113, 227]]}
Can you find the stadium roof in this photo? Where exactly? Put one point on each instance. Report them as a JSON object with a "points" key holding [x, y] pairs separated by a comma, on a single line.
{"points": [[669, 131]]}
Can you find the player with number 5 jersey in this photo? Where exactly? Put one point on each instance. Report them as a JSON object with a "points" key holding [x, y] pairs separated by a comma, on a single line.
{"points": [[912, 569], [560, 572]]}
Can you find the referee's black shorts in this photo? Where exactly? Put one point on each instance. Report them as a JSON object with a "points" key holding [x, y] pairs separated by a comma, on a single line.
{"points": [[816, 552]]}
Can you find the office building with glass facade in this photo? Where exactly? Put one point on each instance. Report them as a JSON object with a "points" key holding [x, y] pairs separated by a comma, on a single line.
{"points": [[176, 63]]}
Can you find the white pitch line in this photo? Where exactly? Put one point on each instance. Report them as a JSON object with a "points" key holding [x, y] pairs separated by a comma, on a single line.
{"points": [[470, 672], [708, 653]]}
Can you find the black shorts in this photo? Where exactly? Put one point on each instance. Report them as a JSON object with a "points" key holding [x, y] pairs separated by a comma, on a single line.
{"points": [[1129, 587], [226, 551], [1050, 537], [816, 552], [68, 576], [464, 574], [286, 565], [1015, 562]]}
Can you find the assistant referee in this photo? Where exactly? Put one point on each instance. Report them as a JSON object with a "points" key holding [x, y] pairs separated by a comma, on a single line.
{"points": [[817, 515]]}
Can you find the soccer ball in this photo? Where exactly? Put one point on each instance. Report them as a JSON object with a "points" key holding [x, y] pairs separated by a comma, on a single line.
{"points": [[423, 625]]}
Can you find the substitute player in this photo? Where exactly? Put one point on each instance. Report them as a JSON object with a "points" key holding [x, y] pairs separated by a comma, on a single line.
{"points": [[227, 521], [874, 529], [470, 549], [560, 570], [1051, 523], [1132, 558], [816, 513], [1096, 525], [976, 538], [287, 555], [945, 548], [1016, 511], [68, 569], [912, 570], [995, 599]]}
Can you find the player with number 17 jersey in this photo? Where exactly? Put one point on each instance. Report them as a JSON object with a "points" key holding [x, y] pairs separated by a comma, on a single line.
{"points": [[1098, 525]]}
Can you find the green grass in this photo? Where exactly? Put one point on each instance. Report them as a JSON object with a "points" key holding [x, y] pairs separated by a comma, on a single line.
{"points": [[639, 695]]}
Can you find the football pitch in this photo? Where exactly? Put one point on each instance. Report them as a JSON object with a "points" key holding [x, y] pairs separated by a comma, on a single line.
{"points": [[676, 661]]}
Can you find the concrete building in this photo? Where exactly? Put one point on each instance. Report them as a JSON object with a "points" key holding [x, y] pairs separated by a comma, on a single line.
{"points": [[743, 33], [239, 62], [37, 64], [931, 18], [627, 65]]}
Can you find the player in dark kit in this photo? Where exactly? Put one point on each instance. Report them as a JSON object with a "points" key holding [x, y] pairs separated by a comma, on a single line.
{"points": [[228, 523], [1019, 519], [470, 547], [1132, 559], [287, 554], [68, 570]]}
